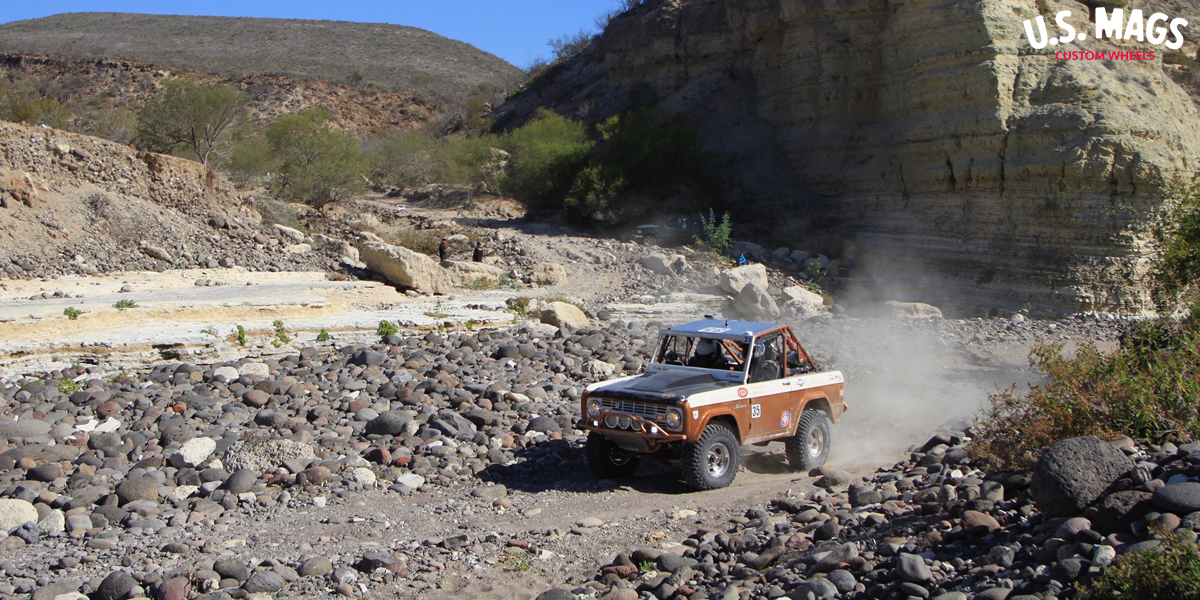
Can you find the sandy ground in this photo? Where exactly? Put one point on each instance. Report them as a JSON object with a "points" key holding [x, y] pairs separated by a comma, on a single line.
{"points": [[172, 312]]}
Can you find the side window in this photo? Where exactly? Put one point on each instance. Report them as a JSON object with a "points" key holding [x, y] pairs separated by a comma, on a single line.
{"points": [[767, 362]]}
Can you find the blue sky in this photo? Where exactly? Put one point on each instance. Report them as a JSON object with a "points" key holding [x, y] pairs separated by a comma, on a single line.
{"points": [[515, 30]]}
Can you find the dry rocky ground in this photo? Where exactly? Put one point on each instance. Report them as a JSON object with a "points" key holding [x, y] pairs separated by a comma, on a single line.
{"points": [[442, 460]]}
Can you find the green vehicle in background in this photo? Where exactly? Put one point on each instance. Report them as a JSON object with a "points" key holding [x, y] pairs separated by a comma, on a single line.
{"points": [[670, 231]]}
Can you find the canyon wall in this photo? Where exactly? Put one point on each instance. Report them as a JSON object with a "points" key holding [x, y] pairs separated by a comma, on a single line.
{"points": [[926, 141]]}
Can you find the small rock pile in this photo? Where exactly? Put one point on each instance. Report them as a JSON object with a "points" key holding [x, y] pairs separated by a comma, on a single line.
{"points": [[933, 526]]}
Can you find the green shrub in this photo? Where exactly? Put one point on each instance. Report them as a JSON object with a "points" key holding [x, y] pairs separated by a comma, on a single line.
{"points": [[249, 157], [1176, 270], [123, 304], [594, 194], [1147, 387], [281, 335], [72, 313], [241, 336], [317, 164], [714, 234], [21, 104], [415, 158], [424, 241], [544, 157], [1169, 571], [67, 385], [323, 336], [386, 328]]}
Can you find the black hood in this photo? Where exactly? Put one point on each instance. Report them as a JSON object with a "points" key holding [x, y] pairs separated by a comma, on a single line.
{"points": [[668, 387]]}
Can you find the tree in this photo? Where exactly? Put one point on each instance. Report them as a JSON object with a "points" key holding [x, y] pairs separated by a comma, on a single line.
{"points": [[318, 164], [189, 115]]}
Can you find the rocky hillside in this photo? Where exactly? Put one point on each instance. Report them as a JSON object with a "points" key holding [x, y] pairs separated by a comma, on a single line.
{"points": [[119, 84], [75, 204], [926, 141], [392, 56]]}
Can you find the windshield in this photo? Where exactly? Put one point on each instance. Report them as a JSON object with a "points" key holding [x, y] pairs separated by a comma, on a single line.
{"points": [[704, 353]]}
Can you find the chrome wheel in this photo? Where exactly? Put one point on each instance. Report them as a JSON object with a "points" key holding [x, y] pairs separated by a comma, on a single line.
{"points": [[816, 442], [718, 460]]}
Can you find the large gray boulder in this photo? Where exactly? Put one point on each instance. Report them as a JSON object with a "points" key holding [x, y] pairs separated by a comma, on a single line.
{"points": [[658, 263], [14, 513], [733, 280], [464, 273], [562, 313], [803, 302], [261, 454], [549, 274], [911, 310], [403, 267], [754, 303], [1073, 473]]}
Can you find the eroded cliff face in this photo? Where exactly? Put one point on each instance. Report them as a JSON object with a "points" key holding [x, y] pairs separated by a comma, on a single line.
{"points": [[923, 139]]}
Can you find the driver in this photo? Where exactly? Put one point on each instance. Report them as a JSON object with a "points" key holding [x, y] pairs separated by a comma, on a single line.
{"points": [[707, 356]]}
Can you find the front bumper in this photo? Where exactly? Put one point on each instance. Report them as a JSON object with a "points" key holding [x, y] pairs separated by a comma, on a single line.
{"points": [[643, 436]]}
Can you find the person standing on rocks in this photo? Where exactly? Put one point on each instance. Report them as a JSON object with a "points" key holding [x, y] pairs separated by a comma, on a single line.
{"points": [[442, 248], [477, 256]]}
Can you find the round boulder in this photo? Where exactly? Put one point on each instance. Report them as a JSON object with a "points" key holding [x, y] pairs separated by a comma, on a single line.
{"points": [[1073, 473]]}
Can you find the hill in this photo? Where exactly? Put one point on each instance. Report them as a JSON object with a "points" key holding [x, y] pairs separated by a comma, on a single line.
{"points": [[394, 57]]}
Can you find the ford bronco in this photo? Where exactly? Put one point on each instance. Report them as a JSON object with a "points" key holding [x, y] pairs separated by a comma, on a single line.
{"points": [[712, 386]]}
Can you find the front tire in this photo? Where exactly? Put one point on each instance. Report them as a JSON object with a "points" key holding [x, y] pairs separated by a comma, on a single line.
{"points": [[607, 460], [712, 461], [650, 240], [809, 448]]}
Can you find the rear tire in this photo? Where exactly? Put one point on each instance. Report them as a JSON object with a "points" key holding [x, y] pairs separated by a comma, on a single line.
{"points": [[712, 461], [809, 448], [607, 460], [650, 240]]}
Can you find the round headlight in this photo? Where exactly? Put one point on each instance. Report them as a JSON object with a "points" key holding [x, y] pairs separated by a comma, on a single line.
{"points": [[674, 418], [611, 421], [593, 407], [624, 422]]}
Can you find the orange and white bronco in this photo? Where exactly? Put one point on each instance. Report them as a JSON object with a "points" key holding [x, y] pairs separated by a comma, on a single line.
{"points": [[712, 386]]}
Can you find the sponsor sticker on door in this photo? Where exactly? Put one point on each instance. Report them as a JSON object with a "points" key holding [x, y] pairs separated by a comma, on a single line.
{"points": [[785, 419]]}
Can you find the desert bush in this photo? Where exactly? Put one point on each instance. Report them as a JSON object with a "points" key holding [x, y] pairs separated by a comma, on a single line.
{"points": [[544, 157], [18, 104], [1147, 387], [714, 233], [249, 157], [1176, 270], [594, 194], [317, 163], [567, 46], [189, 114], [415, 158], [424, 241], [115, 123], [1169, 571]]}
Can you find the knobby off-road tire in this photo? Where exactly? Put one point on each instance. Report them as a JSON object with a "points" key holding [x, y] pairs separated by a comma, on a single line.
{"points": [[809, 448], [607, 460], [712, 461]]}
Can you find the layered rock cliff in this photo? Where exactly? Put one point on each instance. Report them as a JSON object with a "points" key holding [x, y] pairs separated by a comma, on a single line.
{"points": [[925, 140]]}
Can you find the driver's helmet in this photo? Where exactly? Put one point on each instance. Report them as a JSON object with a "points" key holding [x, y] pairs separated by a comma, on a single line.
{"points": [[706, 347]]}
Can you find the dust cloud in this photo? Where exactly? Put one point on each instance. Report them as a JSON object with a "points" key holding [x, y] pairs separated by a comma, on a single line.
{"points": [[907, 380]]}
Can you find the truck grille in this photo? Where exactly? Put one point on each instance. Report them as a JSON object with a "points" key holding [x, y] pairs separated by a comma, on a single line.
{"points": [[650, 412]]}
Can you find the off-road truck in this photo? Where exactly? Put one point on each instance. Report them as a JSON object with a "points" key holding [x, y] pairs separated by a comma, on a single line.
{"points": [[712, 386]]}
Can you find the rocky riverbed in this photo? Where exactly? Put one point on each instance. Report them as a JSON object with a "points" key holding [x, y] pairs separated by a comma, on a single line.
{"points": [[432, 464]]}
